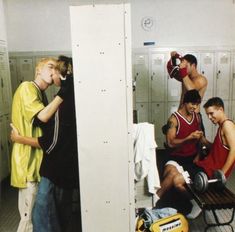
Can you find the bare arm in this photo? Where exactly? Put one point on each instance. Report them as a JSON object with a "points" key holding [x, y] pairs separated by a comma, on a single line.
{"points": [[199, 84], [228, 131], [45, 114], [17, 138], [172, 141]]}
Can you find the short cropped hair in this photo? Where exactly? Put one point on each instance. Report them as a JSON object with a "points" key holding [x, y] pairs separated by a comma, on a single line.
{"points": [[42, 62], [192, 96], [214, 101], [65, 65], [190, 58]]}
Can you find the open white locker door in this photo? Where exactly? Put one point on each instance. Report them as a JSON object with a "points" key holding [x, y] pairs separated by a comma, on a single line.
{"points": [[101, 47]]}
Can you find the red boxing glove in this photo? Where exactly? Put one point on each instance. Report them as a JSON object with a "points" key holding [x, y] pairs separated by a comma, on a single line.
{"points": [[183, 72], [173, 71]]}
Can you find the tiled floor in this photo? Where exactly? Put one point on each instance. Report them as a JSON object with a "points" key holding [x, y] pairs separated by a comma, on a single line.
{"points": [[9, 217]]}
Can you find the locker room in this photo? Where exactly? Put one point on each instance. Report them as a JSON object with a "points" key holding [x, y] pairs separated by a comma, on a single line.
{"points": [[120, 50]]}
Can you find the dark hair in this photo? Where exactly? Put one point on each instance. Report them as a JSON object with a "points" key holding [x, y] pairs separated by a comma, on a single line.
{"points": [[65, 65], [214, 101], [192, 96], [190, 58]]}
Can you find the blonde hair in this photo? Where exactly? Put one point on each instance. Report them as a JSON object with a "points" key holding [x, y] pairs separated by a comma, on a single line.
{"points": [[42, 62]]}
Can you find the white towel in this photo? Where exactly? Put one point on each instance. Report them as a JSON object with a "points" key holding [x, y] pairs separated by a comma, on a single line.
{"points": [[145, 155]]}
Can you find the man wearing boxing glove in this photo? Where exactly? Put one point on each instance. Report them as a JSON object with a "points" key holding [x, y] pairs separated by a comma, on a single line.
{"points": [[184, 69]]}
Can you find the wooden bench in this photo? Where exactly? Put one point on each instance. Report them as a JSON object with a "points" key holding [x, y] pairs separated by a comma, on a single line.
{"points": [[214, 200]]}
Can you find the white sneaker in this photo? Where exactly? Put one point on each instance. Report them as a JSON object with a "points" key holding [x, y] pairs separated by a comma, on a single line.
{"points": [[196, 210]]}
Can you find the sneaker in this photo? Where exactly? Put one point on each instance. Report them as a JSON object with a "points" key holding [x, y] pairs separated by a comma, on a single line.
{"points": [[196, 210]]}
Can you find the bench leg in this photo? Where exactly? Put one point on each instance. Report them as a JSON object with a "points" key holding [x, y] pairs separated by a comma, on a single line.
{"points": [[217, 222]]}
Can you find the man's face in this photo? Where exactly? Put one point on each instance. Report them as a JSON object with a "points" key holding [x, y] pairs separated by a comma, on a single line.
{"points": [[57, 78], [214, 113], [48, 71], [191, 107], [185, 63]]}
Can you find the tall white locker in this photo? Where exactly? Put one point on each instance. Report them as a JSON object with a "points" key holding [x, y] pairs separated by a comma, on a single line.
{"points": [[157, 94], [103, 91], [223, 75], [4, 155], [232, 106], [13, 70], [5, 83], [141, 76], [207, 69]]}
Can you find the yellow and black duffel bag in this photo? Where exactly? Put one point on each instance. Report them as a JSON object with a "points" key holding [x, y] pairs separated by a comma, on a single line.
{"points": [[174, 223]]}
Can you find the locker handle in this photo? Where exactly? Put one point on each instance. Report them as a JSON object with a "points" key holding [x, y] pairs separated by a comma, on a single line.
{"points": [[2, 83], [218, 73], [203, 72]]}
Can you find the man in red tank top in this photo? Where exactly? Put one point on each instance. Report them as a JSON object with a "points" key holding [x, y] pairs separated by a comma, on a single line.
{"points": [[221, 151], [182, 136]]}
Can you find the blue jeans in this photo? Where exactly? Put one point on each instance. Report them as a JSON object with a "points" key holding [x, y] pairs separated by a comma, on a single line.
{"points": [[52, 209]]}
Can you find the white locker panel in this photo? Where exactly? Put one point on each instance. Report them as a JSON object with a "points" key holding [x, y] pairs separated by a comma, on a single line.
{"points": [[142, 112], [233, 76], [4, 160], [5, 83], [223, 75], [2, 23], [233, 111], [207, 70], [13, 70], [171, 108], [25, 67], [141, 77], [158, 119], [102, 63], [158, 79]]}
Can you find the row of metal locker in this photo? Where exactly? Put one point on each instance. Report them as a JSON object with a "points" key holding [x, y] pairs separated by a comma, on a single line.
{"points": [[156, 95], [5, 107], [22, 67]]}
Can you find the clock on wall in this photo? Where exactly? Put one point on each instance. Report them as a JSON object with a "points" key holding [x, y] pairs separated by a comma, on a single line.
{"points": [[147, 23]]}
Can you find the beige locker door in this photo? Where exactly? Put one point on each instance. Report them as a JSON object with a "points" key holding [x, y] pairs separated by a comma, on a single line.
{"points": [[142, 112], [13, 71], [25, 67], [158, 79], [158, 119], [141, 77], [233, 76], [223, 74], [6, 83], [208, 70], [101, 47], [233, 111], [171, 108], [4, 156]]}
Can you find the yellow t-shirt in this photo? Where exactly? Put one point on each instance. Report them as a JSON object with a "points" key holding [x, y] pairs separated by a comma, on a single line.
{"points": [[26, 160]]}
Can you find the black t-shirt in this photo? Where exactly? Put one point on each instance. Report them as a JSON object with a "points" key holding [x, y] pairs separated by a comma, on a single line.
{"points": [[59, 144]]}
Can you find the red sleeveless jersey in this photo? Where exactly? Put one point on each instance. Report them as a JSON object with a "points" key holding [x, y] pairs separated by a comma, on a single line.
{"points": [[185, 128], [217, 156]]}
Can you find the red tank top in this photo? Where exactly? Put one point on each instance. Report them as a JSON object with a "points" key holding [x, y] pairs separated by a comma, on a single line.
{"points": [[185, 128], [216, 157]]}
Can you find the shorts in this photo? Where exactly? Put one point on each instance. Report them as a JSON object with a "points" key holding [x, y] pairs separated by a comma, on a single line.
{"points": [[185, 166]]}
